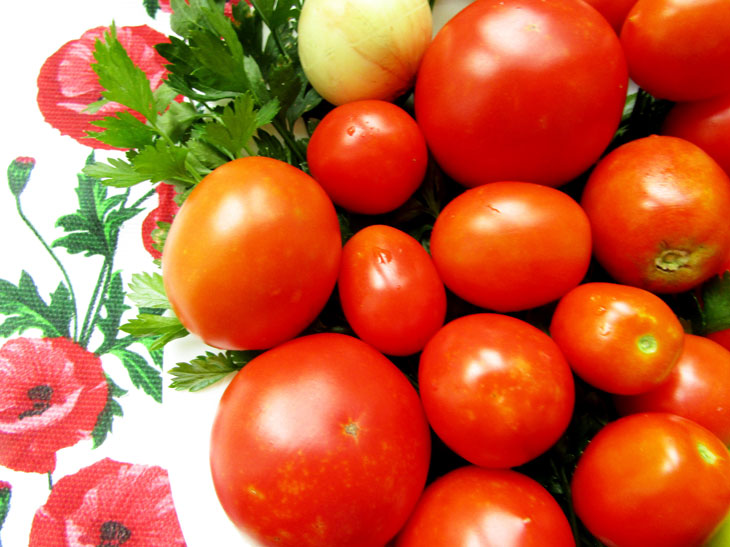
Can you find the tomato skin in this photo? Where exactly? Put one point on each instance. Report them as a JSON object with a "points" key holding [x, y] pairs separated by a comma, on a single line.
{"points": [[521, 90], [487, 507], [704, 123], [252, 255], [615, 11], [320, 441], [677, 49], [698, 388], [658, 210], [721, 337], [618, 338], [652, 479], [489, 242], [495, 389], [369, 156], [390, 291]]}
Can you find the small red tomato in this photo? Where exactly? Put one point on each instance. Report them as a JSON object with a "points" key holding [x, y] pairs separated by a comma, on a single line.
{"points": [[706, 124], [658, 207], [698, 388], [489, 508], [320, 441], [618, 338], [496, 390], [652, 479], [509, 246], [679, 49], [389, 289], [369, 156]]}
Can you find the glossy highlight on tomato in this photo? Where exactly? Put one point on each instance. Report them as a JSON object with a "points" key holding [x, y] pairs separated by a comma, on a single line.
{"points": [[320, 441], [252, 255]]}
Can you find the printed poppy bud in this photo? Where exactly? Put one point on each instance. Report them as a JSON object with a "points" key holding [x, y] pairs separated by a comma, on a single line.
{"points": [[19, 174]]}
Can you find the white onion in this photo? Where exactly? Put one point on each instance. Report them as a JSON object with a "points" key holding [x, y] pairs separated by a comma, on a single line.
{"points": [[363, 49]]}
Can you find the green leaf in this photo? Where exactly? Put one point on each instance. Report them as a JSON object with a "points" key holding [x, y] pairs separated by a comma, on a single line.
{"points": [[162, 162], [177, 120], [116, 172], [163, 328], [25, 309], [716, 304], [208, 369], [122, 80], [114, 307], [148, 291], [141, 374], [123, 131], [112, 408], [151, 7], [5, 495]]}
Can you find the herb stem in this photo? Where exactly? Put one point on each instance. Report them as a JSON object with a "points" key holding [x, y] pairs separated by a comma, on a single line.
{"points": [[291, 142]]}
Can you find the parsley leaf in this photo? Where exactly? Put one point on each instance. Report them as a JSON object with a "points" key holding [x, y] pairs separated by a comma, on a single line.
{"points": [[208, 369], [163, 328], [148, 291]]}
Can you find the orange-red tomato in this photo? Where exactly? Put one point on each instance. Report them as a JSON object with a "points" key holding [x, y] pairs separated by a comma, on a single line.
{"points": [[618, 338], [253, 254], [389, 289]]}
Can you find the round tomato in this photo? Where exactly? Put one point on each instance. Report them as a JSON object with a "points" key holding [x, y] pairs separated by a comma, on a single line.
{"points": [[652, 479], [253, 254], [658, 207], [489, 508], [496, 390], [618, 338], [521, 90], [389, 289], [509, 246], [615, 11], [706, 124], [320, 441], [697, 388], [369, 156], [678, 49]]}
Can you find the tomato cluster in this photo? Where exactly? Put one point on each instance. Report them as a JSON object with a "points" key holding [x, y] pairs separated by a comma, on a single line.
{"points": [[517, 244]]}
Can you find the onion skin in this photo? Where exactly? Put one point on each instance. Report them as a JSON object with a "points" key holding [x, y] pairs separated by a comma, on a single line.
{"points": [[363, 49]]}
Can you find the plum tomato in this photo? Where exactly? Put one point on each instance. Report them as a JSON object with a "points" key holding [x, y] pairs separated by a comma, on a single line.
{"points": [[521, 90], [369, 156], [615, 11], [390, 291], [698, 388], [652, 479], [496, 389], [486, 507], [253, 254], [658, 208], [618, 338], [704, 123], [509, 246], [677, 49], [320, 441]]}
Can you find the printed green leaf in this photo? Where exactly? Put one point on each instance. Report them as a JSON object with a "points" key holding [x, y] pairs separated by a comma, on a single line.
{"points": [[25, 309], [112, 408], [716, 304], [163, 328], [147, 290], [151, 7], [141, 374], [113, 307], [5, 495], [208, 369]]}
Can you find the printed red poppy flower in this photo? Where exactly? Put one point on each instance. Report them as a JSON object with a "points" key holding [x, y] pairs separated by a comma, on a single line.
{"points": [[67, 84], [51, 393], [164, 212], [228, 9], [111, 504]]}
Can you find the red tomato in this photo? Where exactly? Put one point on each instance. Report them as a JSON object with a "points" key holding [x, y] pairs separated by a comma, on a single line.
{"points": [[320, 441], [615, 11], [618, 338], [489, 508], [510, 246], [521, 90], [390, 291], [697, 388], [496, 390], [721, 337], [652, 479], [253, 254], [369, 156], [678, 49], [706, 124], [658, 207]]}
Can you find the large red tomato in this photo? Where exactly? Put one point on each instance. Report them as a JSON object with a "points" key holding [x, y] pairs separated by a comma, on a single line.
{"points": [[679, 49], [489, 508], [615, 11], [369, 156], [320, 441], [618, 338], [652, 479], [658, 208], [697, 388], [496, 390], [390, 291], [521, 90], [253, 254], [509, 246]]}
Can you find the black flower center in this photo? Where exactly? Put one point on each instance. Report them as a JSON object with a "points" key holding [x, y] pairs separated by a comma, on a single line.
{"points": [[113, 534], [40, 396]]}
